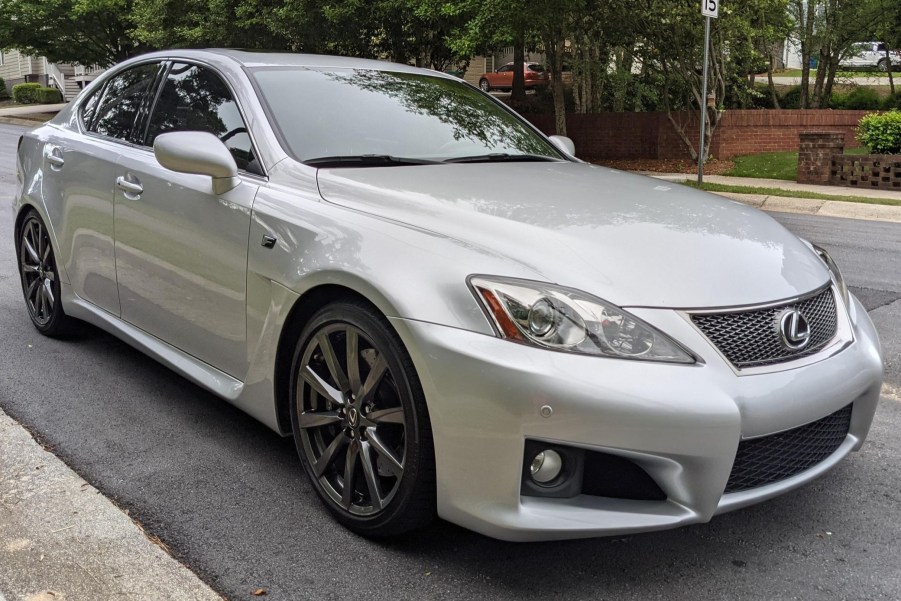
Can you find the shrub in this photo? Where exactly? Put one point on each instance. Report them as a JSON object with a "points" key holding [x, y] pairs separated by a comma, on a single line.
{"points": [[3, 93], [26, 93], [862, 99], [838, 100], [48, 95], [892, 101], [791, 99], [760, 96], [881, 133]]}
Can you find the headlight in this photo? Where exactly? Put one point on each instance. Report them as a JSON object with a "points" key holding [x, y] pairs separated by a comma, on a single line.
{"points": [[836, 274], [562, 319]]}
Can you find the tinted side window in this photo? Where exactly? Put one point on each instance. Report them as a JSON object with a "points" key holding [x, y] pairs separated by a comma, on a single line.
{"points": [[196, 99], [880, 47], [122, 99]]}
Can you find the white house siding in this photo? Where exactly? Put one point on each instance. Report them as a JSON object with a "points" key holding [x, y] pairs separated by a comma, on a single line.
{"points": [[18, 68]]}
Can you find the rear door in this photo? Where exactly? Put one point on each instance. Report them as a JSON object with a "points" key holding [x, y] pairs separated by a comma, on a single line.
{"points": [[181, 250], [79, 172]]}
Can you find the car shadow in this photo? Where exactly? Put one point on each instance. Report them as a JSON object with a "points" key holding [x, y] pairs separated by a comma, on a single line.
{"points": [[230, 499]]}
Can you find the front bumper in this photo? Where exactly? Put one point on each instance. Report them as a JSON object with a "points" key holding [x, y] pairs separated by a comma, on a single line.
{"points": [[681, 424]]}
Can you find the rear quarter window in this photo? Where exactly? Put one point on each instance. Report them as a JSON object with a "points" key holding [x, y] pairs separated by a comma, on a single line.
{"points": [[89, 108]]}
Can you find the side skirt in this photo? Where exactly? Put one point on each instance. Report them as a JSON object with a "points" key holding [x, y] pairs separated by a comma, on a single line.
{"points": [[204, 375]]}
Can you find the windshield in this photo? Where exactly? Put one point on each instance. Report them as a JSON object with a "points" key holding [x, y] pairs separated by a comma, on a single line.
{"points": [[361, 112]]}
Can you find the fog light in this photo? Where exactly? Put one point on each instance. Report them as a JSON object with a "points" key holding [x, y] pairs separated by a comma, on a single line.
{"points": [[546, 466]]}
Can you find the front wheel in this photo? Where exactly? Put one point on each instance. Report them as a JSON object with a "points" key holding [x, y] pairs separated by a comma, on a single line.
{"points": [[882, 65], [40, 278], [360, 422], [484, 85]]}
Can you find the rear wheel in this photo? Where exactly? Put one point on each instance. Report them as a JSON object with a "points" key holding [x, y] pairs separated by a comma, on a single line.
{"points": [[484, 85], [882, 65], [40, 278], [360, 422]]}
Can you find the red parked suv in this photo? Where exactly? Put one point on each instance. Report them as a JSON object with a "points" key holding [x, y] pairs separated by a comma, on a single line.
{"points": [[502, 78]]}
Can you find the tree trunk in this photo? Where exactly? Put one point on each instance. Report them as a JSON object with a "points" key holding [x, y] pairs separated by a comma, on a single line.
{"points": [[554, 51], [830, 80], [518, 93], [770, 84], [888, 64], [825, 59], [807, 51]]}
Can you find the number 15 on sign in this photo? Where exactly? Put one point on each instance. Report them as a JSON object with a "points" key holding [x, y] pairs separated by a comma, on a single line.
{"points": [[710, 8]]}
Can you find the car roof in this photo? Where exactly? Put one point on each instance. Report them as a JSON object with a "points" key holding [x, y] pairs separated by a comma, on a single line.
{"points": [[262, 58]]}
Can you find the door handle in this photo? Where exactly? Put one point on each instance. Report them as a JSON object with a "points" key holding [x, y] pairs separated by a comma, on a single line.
{"points": [[55, 158], [132, 189]]}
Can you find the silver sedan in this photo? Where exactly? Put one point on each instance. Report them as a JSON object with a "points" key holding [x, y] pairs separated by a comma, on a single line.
{"points": [[448, 312]]}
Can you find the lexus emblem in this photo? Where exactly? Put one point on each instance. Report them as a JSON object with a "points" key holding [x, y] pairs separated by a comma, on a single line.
{"points": [[794, 329]]}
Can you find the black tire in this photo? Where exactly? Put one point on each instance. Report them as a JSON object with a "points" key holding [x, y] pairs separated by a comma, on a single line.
{"points": [[484, 85], [383, 433], [882, 65], [40, 279]]}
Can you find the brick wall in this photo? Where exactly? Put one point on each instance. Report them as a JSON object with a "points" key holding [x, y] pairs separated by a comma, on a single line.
{"points": [[882, 171], [651, 136], [817, 149]]}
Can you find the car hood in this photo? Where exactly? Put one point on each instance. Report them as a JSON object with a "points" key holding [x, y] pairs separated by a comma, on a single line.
{"points": [[633, 240]]}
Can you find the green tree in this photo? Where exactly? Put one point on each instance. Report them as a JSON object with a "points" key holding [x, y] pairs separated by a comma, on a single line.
{"points": [[673, 48], [227, 23], [827, 30], [88, 32]]}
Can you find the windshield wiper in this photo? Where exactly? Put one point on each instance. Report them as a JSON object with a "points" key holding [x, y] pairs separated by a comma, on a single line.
{"points": [[366, 160], [501, 157]]}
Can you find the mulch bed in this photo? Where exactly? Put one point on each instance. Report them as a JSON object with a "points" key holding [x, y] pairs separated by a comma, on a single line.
{"points": [[712, 167]]}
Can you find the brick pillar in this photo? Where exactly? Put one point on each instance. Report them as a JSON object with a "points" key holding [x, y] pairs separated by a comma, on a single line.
{"points": [[815, 155]]}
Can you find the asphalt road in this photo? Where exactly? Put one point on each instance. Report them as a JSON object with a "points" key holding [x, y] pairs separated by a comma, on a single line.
{"points": [[230, 500]]}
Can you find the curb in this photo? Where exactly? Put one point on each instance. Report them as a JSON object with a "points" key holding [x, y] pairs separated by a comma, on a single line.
{"points": [[805, 206], [20, 121], [63, 540], [821, 208]]}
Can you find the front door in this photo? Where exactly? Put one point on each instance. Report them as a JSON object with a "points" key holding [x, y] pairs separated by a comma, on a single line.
{"points": [[181, 250]]}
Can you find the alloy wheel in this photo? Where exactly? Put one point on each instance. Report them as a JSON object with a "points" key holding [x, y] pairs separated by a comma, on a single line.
{"points": [[351, 419], [38, 268]]}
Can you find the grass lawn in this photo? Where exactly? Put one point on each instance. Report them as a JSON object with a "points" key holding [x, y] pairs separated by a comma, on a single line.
{"points": [[773, 165], [792, 193]]}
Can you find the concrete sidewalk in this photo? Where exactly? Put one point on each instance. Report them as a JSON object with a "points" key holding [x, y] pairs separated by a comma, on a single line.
{"points": [[61, 540], [14, 116], [809, 206], [27, 109]]}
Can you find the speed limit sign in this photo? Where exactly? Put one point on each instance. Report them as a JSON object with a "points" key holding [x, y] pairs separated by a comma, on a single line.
{"points": [[710, 8]]}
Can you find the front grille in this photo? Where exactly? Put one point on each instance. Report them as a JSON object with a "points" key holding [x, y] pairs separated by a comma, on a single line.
{"points": [[768, 459], [752, 338]]}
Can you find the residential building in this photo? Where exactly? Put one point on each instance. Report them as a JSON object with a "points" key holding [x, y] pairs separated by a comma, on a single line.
{"points": [[16, 67]]}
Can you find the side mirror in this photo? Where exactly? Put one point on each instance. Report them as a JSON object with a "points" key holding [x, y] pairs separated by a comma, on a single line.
{"points": [[565, 144], [199, 153]]}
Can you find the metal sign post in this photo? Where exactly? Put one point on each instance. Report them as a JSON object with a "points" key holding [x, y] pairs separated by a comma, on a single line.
{"points": [[711, 10]]}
